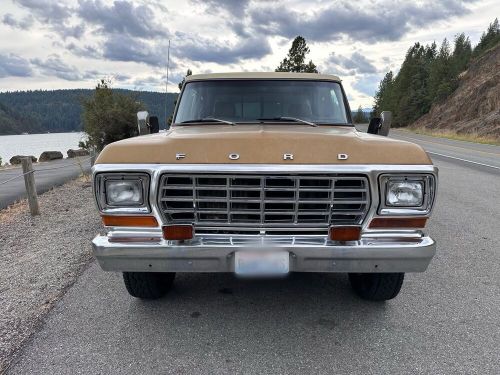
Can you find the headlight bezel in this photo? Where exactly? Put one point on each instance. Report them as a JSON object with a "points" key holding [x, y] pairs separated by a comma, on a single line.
{"points": [[428, 182], [100, 190]]}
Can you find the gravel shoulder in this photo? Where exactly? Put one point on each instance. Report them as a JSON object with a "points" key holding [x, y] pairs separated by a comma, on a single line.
{"points": [[40, 257]]}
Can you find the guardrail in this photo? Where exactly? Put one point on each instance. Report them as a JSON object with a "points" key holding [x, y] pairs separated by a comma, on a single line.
{"points": [[29, 179]]}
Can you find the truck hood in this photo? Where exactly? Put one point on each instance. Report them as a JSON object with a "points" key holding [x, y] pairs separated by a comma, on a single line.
{"points": [[262, 144]]}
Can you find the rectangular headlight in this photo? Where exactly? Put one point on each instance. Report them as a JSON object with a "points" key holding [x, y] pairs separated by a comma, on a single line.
{"points": [[124, 192], [411, 194], [404, 193]]}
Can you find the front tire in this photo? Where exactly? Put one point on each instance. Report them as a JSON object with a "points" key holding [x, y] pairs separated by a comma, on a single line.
{"points": [[376, 286], [148, 285]]}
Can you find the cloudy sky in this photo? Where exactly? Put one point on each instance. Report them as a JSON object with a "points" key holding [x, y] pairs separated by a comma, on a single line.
{"points": [[51, 44]]}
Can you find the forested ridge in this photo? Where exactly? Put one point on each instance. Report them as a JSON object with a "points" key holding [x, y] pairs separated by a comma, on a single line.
{"points": [[429, 75], [41, 111]]}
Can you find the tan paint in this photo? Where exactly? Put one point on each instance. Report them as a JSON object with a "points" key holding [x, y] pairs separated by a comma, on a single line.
{"points": [[262, 144], [263, 75]]}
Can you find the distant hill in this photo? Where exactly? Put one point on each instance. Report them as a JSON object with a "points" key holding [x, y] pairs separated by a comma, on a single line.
{"points": [[12, 123], [474, 107], [54, 111]]}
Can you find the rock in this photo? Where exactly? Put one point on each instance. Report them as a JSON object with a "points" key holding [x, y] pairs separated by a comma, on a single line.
{"points": [[78, 152], [51, 155], [17, 159]]}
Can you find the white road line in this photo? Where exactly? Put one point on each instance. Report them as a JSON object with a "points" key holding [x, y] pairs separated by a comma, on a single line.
{"points": [[468, 161]]}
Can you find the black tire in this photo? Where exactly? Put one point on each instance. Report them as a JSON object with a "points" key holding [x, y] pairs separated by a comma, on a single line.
{"points": [[376, 286], [148, 285]]}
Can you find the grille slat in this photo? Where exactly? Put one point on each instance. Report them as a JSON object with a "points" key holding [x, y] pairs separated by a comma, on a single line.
{"points": [[263, 200]]}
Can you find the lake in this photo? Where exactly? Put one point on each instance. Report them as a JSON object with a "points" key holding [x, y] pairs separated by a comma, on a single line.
{"points": [[35, 144]]}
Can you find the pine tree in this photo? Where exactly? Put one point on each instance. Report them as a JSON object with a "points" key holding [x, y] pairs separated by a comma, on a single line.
{"points": [[384, 95], [295, 60], [109, 116], [489, 39], [359, 116], [181, 83]]}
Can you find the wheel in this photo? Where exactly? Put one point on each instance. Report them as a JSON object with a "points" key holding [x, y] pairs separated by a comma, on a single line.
{"points": [[148, 285], [376, 286]]}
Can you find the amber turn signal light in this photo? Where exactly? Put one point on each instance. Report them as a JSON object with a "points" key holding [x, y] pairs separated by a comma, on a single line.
{"points": [[345, 233], [129, 221], [178, 232], [398, 222]]}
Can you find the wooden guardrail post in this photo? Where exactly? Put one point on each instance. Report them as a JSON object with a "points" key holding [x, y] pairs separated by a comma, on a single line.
{"points": [[29, 182], [92, 157]]}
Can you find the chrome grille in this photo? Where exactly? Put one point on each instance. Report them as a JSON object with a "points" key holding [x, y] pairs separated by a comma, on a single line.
{"points": [[260, 201]]}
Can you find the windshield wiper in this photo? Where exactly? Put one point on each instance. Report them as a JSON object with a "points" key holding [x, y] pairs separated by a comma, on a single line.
{"points": [[208, 119], [284, 118]]}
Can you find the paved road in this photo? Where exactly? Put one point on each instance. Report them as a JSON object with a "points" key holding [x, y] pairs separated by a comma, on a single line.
{"points": [[47, 176], [446, 320], [479, 156]]}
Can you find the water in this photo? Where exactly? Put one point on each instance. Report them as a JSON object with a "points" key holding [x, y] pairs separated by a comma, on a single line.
{"points": [[35, 144]]}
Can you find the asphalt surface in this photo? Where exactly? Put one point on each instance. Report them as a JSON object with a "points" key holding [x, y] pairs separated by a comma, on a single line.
{"points": [[444, 321], [47, 175]]}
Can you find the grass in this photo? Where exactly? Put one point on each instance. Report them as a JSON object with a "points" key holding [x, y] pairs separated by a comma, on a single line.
{"points": [[472, 137]]}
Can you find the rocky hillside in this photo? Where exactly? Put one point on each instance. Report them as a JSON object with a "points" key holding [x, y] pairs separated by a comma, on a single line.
{"points": [[474, 107]]}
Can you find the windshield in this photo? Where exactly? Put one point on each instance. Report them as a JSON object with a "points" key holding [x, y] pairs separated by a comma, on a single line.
{"points": [[319, 102]]}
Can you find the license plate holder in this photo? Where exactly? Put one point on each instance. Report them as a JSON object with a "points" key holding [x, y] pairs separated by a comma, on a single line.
{"points": [[261, 263]]}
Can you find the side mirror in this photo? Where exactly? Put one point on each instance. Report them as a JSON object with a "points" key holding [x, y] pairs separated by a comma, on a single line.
{"points": [[386, 123], [380, 125], [374, 125], [154, 125], [143, 122]]}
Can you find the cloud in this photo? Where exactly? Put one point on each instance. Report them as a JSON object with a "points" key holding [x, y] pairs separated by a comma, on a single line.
{"points": [[233, 7], [56, 14], [367, 84], [205, 50], [357, 63], [363, 22], [121, 17], [23, 24], [54, 66], [85, 51], [47, 10], [14, 66], [120, 47]]}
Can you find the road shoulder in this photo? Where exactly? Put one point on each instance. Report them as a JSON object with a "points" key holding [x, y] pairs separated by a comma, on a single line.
{"points": [[40, 257]]}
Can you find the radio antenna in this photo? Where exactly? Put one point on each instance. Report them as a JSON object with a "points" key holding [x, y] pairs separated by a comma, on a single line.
{"points": [[166, 85]]}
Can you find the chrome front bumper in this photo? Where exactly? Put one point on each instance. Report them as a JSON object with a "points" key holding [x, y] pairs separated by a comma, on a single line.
{"points": [[375, 252]]}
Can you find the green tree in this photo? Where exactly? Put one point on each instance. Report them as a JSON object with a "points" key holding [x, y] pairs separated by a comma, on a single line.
{"points": [[384, 96], [441, 74], [109, 116], [181, 83], [295, 60], [489, 39], [462, 52], [359, 116]]}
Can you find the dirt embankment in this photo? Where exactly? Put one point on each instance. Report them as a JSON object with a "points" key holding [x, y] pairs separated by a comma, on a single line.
{"points": [[474, 107]]}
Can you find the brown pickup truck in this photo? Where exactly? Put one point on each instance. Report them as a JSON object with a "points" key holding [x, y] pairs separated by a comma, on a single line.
{"points": [[262, 174]]}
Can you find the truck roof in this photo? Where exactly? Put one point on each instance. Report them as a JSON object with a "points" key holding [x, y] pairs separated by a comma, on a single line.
{"points": [[263, 75]]}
